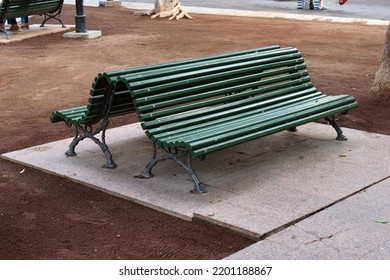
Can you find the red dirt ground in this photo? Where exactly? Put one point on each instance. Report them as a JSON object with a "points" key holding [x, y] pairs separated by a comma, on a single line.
{"points": [[46, 217]]}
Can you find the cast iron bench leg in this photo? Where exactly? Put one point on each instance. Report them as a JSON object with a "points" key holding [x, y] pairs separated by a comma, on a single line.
{"points": [[147, 173], [198, 186], [88, 133], [292, 129], [2, 30], [48, 16], [340, 135], [71, 152], [334, 124]]}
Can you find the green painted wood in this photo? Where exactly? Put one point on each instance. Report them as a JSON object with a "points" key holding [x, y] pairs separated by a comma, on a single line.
{"points": [[127, 71], [211, 106], [271, 129], [219, 92], [243, 79], [211, 103], [254, 123], [20, 8], [191, 71], [123, 102], [164, 133], [191, 110]]}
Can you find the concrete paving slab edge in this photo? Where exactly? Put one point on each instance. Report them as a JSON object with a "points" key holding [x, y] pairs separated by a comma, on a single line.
{"points": [[34, 31], [349, 230]]}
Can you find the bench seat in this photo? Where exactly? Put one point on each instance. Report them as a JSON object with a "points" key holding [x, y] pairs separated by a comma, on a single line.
{"points": [[211, 133]]}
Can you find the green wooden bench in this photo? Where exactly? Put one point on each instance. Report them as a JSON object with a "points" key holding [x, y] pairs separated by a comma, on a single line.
{"points": [[189, 111], [50, 9], [191, 108]]}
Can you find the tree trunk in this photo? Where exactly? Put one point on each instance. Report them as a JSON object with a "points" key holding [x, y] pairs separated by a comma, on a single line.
{"points": [[161, 6], [166, 8], [381, 84]]}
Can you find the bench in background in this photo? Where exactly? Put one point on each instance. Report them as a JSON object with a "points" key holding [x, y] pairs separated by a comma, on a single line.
{"points": [[50, 9]]}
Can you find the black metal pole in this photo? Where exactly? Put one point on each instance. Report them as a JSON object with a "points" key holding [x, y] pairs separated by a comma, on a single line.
{"points": [[81, 26]]}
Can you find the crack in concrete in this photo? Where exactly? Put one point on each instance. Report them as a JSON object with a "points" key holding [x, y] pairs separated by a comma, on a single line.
{"points": [[285, 226], [319, 239]]}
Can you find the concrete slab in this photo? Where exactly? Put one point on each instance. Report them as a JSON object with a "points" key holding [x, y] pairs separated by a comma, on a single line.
{"points": [[257, 188], [34, 31], [356, 228], [89, 34]]}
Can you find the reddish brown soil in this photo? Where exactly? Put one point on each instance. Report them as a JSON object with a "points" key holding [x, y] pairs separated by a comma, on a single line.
{"points": [[46, 217]]}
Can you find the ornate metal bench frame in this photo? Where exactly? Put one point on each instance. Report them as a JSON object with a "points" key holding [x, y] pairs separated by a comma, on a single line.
{"points": [[51, 15]]}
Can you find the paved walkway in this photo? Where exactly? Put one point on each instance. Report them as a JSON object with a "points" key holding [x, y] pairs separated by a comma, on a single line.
{"points": [[361, 11], [358, 10], [303, 195], [34, 31]]}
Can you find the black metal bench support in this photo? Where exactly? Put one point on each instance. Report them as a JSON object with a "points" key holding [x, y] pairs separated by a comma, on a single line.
{"points": [[36, 9], [56, 15], [88, 132], [175, 155], [2, 30], [333, 123], [3, 22]]}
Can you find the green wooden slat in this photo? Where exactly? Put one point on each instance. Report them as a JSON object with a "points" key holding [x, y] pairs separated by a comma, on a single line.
{"points": [[95, 107], [273, 100], [127, 71], [135, 83], [278, 89], [146, 75], [248, 124], [167, 91], [186, 95], [59, 115], [231, 108], [19, 8], [66, 116], [163, 133], [244, 74], [273, 129], [280, 117]]}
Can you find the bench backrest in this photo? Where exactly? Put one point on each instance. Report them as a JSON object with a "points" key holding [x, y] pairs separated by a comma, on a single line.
{"points": [[163, 96], [122, 103], [158, 90], [19, 8]]}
